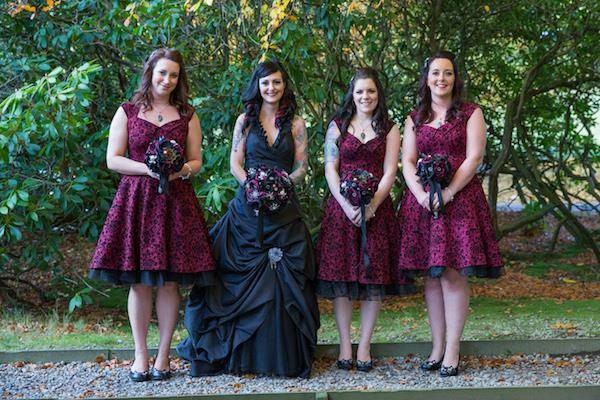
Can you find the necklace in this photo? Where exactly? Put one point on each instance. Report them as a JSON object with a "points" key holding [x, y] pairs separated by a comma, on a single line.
{"points": [[159, 116], [362, 130]]}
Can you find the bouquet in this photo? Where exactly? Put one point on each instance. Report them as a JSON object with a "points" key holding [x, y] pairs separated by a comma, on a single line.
{"points": [[267, 190], [434, 171], [164, 157], [359, 187]]}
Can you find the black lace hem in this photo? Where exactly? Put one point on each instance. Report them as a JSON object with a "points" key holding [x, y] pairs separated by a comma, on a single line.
{"points": [[359, 291], [152, 278], [477, 271]]}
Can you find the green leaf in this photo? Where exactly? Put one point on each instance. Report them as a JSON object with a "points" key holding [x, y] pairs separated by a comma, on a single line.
{"points": [[16, 232], [23, 195], [3, 210], [75, 302]]}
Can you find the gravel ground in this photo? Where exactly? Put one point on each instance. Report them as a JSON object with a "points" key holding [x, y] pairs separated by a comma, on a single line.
{"points": [[108, 378]]}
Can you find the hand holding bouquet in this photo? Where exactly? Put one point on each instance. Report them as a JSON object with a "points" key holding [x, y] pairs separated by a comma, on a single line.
{"points": [[434, 171], [359, 187], [164, 157], [267, 190]]}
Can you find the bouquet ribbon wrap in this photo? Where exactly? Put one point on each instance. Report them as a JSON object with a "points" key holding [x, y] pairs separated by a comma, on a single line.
{"points": [[434, 171], [358, 187]]}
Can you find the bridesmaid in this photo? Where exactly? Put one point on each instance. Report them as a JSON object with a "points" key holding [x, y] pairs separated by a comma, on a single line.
{"points": [[151, 239], [461, 242], [261, 316], [360, 136]]}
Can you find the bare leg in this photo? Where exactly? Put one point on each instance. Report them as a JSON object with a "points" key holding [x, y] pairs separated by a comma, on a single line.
{"points": [[369, 310], [456, 305], [435, 311], [139, 308], [167, 312], [342, 308]]}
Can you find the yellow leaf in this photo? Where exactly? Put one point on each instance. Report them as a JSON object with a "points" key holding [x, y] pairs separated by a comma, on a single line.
{"points": [[486, 8], [568, 280]]}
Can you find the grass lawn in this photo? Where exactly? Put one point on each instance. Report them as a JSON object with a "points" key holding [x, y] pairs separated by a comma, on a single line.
{"points": [[490, 318], [541, 295]]}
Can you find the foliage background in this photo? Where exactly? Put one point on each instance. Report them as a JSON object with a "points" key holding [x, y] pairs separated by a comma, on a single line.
{"points": [[67, 65]]}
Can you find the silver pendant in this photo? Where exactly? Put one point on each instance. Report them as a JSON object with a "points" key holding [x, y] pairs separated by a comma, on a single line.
{"points": [[159, 118], [362, 135]]}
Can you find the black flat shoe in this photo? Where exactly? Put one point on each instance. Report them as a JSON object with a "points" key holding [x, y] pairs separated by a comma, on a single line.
{"points": [[431, 365], [137, 376], [364, 366], [346, 365], [448, 371], [159, 375]]}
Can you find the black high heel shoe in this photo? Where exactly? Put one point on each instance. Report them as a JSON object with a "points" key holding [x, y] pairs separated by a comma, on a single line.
{"points": [[431, 365], [364, 366], [160, 375], [137, 376], [448, 371], [346, 365]]}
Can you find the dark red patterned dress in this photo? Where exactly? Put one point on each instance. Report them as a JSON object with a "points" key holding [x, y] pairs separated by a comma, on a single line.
{"points": [[462, 237], [149, 237], [341, 272]]}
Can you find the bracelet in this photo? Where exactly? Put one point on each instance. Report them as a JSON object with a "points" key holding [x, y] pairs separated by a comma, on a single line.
{"points": [[189, 172]]}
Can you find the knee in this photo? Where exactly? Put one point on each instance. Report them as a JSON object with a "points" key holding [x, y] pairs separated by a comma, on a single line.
{"points": [[453, 280], [432, 284], [141, 289], [171, 288]]}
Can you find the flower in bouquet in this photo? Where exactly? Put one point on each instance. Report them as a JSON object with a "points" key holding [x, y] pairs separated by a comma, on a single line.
{"points": [[267, 190], [164, 157], [435, 172], [358, 187]]}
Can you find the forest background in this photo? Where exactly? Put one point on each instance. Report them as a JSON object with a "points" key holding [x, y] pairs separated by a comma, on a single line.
{"points": [[66, 66]]}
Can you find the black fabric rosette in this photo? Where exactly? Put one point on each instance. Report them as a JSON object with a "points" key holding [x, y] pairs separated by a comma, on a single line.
{"points": [[434, 171], [267, 190], [164, 157], [358, 187]]}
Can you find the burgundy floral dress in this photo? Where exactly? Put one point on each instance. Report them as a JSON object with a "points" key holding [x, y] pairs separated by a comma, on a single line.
{"points": [[148, 237], [462, 237], [341, 271]]}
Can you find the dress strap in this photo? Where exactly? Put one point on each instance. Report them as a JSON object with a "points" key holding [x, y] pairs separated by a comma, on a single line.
{"points": [[130, 109], [468, 109]]}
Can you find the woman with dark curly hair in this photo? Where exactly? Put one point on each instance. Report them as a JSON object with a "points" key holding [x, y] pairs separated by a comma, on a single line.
{"points": [[151, 239], [262, 315], [449, 235], [353, 265]]}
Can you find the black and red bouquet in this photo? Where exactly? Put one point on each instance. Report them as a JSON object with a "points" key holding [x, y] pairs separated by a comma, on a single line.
{"points": [[267, 190], [434, 171], [164, 157], [358, 187]]}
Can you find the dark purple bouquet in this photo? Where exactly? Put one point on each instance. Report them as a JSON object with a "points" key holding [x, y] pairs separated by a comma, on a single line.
{"points": [[164, 157], [358, 187], [267, 190], [435, 171]]}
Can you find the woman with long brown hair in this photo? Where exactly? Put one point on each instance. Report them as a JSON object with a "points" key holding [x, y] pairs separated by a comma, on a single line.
{"points": [[445, 223], [356, 252], [153, 239]]}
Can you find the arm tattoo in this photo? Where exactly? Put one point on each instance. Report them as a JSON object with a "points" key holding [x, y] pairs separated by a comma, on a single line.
{"points": [[300, 163], [332, 152], [237, 136]]}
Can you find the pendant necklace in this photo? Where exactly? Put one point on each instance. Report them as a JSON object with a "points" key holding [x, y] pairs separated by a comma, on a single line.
{"points": [[159, 116], [362, 132]]}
